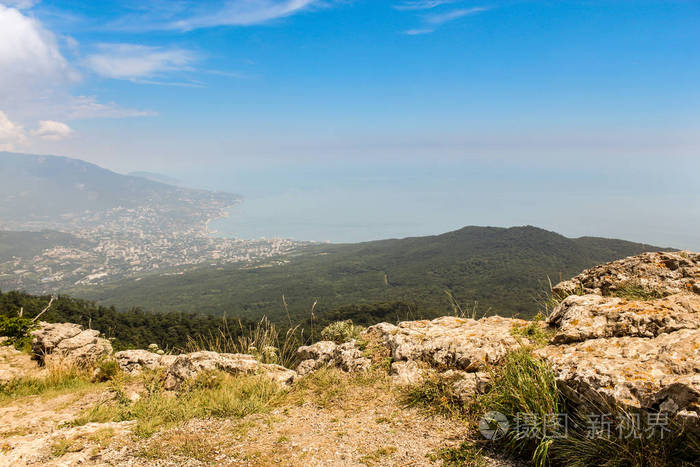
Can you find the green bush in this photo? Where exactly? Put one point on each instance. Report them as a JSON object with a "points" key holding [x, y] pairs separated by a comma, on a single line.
{"points": [[340, 332], [17, 330]]}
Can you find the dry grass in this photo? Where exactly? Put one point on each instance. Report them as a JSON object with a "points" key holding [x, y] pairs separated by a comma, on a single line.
{"points": [[210, 394], [264, 341], [60, 377]]}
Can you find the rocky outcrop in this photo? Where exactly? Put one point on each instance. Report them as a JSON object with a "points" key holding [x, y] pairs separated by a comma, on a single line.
{"points": [[67, 342], [188, 366], [322, 354], [450, 342], [637, 353], [666, 273], [582, 317]]}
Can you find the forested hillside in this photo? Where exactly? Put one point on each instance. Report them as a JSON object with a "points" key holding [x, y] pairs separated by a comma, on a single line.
{"points": [[503, 270], [129, 329]]}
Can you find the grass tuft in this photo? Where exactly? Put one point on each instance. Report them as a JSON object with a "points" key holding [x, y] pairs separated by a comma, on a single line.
{"points": [[263, 340], [524, 384], [464, 454], [635, 291], [436, 393]]}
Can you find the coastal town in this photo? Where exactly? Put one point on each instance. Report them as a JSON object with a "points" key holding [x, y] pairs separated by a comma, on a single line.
{"points": [[160, 237]]}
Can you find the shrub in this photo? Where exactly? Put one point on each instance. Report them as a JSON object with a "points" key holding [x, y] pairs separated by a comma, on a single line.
{"points": [[340, 332], [106, 369], [17, 330]]}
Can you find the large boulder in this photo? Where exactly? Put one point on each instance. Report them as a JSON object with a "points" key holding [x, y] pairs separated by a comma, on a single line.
{"points": [[188, 366], [452, 343], [660, 373], [662, 272], [67, 342]]}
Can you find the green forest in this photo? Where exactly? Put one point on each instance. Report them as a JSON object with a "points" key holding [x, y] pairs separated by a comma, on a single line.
{"points": [[497, 270], [132, 328]]}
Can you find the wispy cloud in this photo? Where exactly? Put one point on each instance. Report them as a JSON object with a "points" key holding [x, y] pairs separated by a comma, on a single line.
{"points": [[422, 4], [418, 32], [188, 16], [20, 4], [133, 61], [435, 20], [441, 18]]}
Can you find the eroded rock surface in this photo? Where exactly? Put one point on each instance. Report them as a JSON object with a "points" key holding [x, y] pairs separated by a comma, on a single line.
{"points": [[322, 354], [660, 373], [134, 361], [450, 342], [664, 272], [591, 316], [69, 343], [187, 366]]}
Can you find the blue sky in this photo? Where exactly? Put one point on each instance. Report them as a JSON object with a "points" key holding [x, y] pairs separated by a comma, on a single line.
{"points": [[597, 94]]}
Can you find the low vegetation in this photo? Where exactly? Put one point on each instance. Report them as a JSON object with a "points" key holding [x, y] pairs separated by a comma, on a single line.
{"points": [[636, 291], [210, 394], [57, 378], [340, 332]]}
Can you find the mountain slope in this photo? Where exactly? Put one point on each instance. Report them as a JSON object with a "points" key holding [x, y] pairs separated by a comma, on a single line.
{"points": [[54, 190], [504, 270]]}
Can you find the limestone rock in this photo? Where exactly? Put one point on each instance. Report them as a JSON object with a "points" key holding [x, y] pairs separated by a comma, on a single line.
{"points": [[68, 342], [466, 385], [450, 342], [664, 272], [326, 353], [407, 373], [134, 361], [187, 366], [583, 317], [660, 373]]}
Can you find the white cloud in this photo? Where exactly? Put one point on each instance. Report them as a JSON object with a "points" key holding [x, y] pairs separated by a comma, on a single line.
{"points": [[29, 56], [35, 78], [130, 61], [422, 4], [11, 134], [52, 130]]}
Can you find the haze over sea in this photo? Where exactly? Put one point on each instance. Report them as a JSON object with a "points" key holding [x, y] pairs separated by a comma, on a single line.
{"points": [[352, 202]]}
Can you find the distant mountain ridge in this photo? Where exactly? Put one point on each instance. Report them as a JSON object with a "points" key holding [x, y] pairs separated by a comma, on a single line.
{"points": [[54, 189], [504, 270]]}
